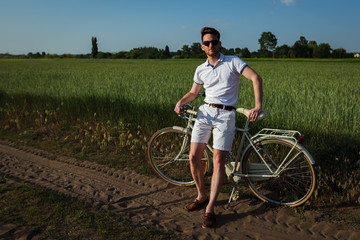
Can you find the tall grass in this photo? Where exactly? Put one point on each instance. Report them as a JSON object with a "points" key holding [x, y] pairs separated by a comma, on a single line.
{"points": [[94, 107]]}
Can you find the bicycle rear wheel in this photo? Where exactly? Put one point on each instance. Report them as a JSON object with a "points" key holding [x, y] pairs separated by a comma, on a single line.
{"points": [[296, 180], [168, 153]]}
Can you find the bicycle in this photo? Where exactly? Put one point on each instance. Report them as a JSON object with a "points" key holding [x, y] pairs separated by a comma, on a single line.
{"points": [[276, 167]]}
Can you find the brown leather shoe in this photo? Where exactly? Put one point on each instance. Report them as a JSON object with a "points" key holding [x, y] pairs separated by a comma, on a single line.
{"points": [[209, 220], [195, 204]]}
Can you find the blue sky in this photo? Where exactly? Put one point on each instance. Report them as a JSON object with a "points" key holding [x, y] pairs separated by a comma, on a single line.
{"points": [[66, 26]]}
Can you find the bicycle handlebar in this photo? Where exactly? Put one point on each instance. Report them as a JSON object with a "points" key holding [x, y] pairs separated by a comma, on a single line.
{"points": [[190, 111], [188, 108]]}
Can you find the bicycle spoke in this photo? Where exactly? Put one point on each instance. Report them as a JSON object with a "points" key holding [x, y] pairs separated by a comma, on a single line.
{"points": [[296, 188]]}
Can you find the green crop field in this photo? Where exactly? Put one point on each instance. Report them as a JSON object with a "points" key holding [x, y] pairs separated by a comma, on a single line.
{"points": [[107, 109]]}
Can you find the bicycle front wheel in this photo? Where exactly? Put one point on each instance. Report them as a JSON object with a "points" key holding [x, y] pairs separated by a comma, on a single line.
{"points": [[168, 153], [290, 182]]}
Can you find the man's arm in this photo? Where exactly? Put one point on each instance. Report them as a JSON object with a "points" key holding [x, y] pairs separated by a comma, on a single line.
{"points": [[189, 97], [250, 74]]}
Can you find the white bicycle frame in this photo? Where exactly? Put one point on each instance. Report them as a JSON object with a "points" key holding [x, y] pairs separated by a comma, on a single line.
{"points": [[261, 171]]}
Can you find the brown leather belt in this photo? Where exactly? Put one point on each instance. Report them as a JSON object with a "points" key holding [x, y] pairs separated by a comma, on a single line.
{"points": [[229, 108]]}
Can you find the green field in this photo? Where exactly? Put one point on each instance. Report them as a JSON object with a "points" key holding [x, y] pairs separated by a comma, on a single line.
{"points": [[106, 109]]}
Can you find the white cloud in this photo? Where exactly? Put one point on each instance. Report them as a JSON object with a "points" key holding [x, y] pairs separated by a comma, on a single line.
{"points": [[288, 2]]}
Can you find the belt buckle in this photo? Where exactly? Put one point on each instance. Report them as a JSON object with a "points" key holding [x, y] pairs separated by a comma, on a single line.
{"points": [[223, 107]]}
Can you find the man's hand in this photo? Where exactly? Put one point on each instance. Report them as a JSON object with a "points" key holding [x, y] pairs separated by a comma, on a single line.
{"points": [[254, 113], [177, 108]]}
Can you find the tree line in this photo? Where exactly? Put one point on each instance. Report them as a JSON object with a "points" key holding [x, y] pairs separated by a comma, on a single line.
{"points": [[302, 48]]}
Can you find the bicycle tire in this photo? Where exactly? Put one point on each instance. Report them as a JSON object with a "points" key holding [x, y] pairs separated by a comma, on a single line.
{"points": [[295, 183], [167, 160]]}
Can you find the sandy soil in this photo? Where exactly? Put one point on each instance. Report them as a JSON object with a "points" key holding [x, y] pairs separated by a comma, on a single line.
{"points": [[151, 201]]}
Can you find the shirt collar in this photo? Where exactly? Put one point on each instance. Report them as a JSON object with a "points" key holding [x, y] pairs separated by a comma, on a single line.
{"points": [[221, 59]]}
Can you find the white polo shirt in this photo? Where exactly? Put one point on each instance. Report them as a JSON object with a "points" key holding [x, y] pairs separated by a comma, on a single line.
{"points": [[221, 82]]}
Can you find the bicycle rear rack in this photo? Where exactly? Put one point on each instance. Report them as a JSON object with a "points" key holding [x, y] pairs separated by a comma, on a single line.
{"points": [[278, 133]]}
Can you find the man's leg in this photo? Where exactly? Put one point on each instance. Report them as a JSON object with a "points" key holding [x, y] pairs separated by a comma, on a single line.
{"points": [[217, 178], [223, 136], [197, 171]]}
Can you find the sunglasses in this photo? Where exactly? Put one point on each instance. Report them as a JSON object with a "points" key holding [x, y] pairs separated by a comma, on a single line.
{"points": [[213, 42]]}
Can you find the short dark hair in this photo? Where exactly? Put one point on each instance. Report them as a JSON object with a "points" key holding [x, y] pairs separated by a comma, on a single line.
{"points": [[209, 30]]}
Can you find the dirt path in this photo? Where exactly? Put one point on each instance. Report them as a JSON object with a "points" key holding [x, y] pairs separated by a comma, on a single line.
{"points": [[153, 202]]}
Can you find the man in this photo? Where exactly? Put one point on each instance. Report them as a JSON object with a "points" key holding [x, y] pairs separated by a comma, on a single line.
{"points": [[219, 75]]}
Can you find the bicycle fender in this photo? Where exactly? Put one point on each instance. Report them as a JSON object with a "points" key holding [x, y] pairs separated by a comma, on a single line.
{"points": [[298, 145]]}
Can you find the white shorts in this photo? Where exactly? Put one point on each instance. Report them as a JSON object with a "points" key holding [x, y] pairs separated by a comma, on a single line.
{"points": [[219, 122]]}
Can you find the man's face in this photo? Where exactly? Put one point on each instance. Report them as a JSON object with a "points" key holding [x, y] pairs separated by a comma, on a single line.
{"points": [[211, 45]]}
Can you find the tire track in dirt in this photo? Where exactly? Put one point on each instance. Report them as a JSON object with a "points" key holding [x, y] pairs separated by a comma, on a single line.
{"points": [[151, 201]]}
